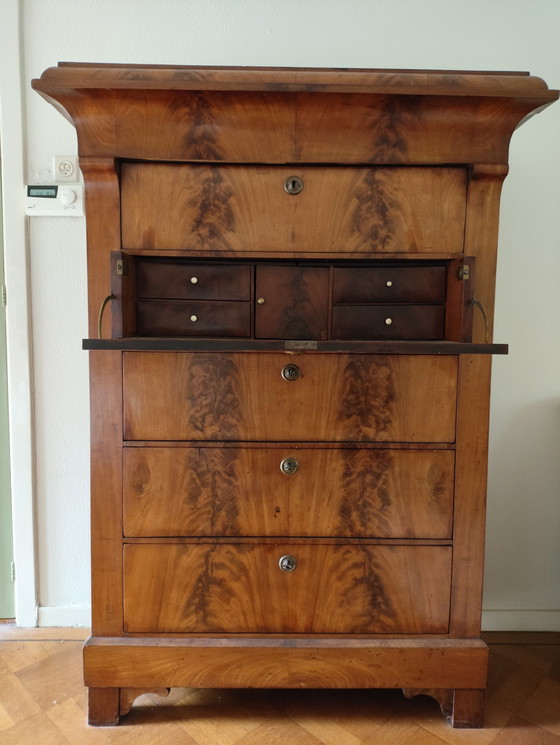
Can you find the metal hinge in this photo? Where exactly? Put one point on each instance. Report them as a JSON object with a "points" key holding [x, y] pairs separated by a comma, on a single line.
{"points": [[121, 266], [464, 272], [4, 296], [13, 571]]}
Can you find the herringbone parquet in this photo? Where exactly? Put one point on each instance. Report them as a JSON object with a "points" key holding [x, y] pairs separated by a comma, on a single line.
{"points": [[43, 702]]}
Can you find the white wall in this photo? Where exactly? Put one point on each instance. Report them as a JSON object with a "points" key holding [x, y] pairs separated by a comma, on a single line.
{"points": [[522, 589]]}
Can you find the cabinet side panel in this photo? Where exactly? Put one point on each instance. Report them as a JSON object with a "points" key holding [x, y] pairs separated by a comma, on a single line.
{"points": [[481, 240], [470, 494], [106, 492], [103, 233]]}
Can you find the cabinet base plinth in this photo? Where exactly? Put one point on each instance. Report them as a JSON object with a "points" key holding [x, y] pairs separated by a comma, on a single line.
{"points": [[452, 671]]}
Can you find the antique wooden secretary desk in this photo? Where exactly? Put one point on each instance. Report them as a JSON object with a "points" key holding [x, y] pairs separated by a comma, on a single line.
{"points": [[290, 383]]}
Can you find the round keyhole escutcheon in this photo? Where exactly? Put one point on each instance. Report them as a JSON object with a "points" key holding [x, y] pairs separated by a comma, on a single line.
{"points": [[289, 466], [290, 373], [287, 563], [293, 185]]}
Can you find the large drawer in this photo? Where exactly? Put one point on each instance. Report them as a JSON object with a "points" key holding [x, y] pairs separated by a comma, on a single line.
{"points": [[282, 491], [202, 209], [289, 397], [226, 588]]}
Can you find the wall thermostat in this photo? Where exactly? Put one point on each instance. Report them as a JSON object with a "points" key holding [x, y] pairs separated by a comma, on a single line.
{"points": [[54, 200]]}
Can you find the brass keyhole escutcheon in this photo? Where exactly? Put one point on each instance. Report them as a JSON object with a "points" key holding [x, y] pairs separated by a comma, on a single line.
{"points": [[287, 563], [290, 373], [289, 466], [293, 185]]}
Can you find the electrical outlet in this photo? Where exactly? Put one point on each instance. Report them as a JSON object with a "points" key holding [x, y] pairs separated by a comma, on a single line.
{"points": [[65, 169]]}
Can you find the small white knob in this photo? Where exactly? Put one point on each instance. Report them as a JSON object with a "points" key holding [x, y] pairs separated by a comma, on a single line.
{"points": [[194, 319], [388, 321], [194, 280], [68, 196], [389, 283]]}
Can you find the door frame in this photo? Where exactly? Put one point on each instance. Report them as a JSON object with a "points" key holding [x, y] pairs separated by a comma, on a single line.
{"points": [[18, 337], [7, 594]]}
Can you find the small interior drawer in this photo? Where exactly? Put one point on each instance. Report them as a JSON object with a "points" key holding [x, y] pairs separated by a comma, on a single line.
{"points": [[191, 281], [193, 318], [389, 284], [388, 322]]}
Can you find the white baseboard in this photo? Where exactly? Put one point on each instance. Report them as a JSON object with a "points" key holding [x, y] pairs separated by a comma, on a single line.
{"points": [[521, 620], [65, 616]]}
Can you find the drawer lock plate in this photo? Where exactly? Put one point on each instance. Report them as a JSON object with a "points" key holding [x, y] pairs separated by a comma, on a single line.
{"points": [[293, 185], [289, 466], [290, 372], [287, 563]]}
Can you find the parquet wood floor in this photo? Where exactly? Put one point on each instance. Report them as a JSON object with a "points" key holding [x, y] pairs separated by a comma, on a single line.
{"points": [[43, 702]]}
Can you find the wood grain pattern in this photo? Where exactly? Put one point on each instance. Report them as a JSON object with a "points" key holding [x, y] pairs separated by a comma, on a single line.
{"points": [[468, 708], [238, 589], [193, 318], [459, 299], [481, 238], [103, 233], [245, 210], [335, 663], [341, 398], [389, 284], [180, 280], [347, 116], [521, 701], [106, 486], [292, 302], [297, 663], [388, 322], [242, 492], [470, 508], [396, 165], [123, 289], [129, 77]]}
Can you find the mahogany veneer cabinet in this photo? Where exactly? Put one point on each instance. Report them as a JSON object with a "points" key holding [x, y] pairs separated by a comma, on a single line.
{"points": [[290, 401]]}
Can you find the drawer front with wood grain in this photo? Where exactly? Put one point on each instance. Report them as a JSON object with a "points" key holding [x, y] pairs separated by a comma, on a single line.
{"points": [[178, 318], [289, 397], [227, 210], [233, 588], [282, 491], [182, 280], [398, 322], [292, 302], [389, 284]]}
